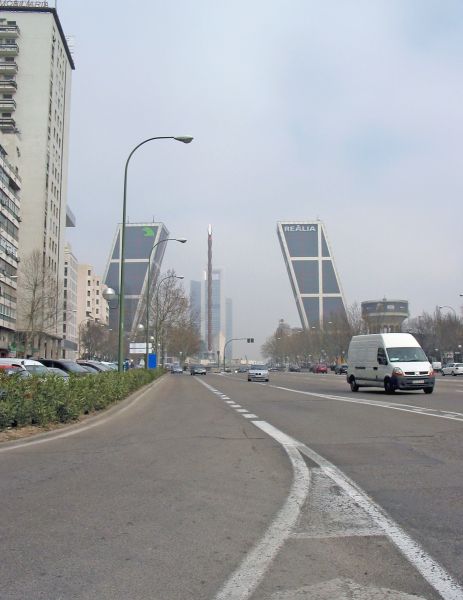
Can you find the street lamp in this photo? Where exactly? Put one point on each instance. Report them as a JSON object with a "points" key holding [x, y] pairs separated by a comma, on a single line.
{"points": [[450, 307], [249, 340], [157, 310], [181, 138], [147, 300]]}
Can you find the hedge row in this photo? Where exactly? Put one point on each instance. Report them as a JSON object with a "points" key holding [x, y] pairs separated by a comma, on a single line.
{"points": [[41, 401]]}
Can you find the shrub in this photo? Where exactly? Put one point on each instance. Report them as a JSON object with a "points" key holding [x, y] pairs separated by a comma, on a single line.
{"points": [[45, 400]]}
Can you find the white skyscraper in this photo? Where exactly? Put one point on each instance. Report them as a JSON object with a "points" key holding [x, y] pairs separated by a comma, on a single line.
{"points": [[35, 83]]}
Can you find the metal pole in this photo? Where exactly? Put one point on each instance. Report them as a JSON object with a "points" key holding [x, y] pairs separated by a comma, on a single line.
{"points": [[185, 140], [226, 344]]}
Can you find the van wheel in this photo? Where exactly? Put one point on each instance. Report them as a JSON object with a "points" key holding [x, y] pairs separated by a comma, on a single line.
{"points": [[388, 387], [353, 385], [443, 374], [428, 390]]}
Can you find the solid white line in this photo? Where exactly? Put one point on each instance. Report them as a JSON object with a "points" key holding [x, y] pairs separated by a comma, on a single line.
{"points": [[431, 570], [252, 569], [427, 412]]}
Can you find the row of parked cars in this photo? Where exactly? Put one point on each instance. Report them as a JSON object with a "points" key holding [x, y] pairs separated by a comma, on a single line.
{"points": [[23, 367]]}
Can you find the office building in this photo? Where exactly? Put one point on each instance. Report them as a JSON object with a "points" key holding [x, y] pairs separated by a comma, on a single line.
{"points": [[195, 304], [35, 82], [140, 238], [312, 273]]}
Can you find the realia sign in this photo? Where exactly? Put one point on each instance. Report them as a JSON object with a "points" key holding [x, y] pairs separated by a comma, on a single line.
{"points": [[300, 228]]}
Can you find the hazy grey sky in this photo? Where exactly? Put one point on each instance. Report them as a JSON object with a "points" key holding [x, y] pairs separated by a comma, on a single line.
{"points": [[349, 111]]}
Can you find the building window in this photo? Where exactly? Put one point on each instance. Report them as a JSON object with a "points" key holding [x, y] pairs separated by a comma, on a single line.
{"points": [[89, 272], [88, 293]]}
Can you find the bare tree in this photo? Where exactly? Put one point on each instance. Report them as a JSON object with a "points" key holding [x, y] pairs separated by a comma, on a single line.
{"points": [[93, 337], [40, 303]]}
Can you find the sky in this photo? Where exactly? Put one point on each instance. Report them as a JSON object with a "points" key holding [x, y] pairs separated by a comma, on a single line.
{"points": [[342, 110]]}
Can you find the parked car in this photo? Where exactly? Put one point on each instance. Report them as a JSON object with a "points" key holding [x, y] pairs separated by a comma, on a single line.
{"points": [[340, 369], [70, 366], [452, 369], [258, 373], [243, 369], [197, 370], [294, 368], [34, 367], [58, 372], [320, 368], [95, 364]]}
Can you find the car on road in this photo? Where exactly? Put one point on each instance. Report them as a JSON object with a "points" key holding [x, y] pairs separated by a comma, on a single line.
{"points": [[176, 370], [340, 369], [320, 368], [197, 370], [258, 373], [294, 368], [452, 369]]}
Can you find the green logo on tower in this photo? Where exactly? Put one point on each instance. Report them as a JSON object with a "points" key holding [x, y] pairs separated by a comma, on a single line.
{"points": [[148, 232]]}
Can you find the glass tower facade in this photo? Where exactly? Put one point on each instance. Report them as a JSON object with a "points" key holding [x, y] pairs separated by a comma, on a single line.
{"points": [[312, 272], [139, 240]]}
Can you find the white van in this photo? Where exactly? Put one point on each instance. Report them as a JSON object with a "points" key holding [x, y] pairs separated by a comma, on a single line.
{"points": [[34, 367], [393, 361]]}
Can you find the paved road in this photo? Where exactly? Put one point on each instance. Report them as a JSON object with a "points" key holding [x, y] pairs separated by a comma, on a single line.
{"points": [[221, 489]]}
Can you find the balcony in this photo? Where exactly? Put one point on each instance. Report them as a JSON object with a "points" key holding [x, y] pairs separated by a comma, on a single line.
{"points": [[8, 68], [9, 49], [9, 31], [7, 125], [7, 105], [8, 86]]}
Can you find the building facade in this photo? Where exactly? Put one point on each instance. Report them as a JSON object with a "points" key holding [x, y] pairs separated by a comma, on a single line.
{"points": [[35, 63], [384, 316], [91, 305], [312, 273], [140, 238], [195, 304], [70, 332], [10, 188]]}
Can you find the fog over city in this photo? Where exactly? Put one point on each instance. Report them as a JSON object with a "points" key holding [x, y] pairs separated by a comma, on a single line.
{"points": [[349, 112]]}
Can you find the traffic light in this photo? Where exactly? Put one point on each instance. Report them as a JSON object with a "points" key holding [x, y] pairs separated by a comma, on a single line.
{"points": [[250, 340]]}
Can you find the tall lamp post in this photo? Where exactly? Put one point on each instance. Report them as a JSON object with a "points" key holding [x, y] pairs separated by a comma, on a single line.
{"points": [[450, 307], [181, 138], [147, 338]]}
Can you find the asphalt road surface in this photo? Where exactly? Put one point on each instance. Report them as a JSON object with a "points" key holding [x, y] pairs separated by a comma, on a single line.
{"points": [[216, 488]]}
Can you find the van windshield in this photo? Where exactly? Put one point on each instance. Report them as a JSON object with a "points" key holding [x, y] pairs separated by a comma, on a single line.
{"points": [[406, 355]]}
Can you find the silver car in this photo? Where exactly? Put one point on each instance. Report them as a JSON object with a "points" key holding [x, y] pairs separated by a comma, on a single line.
{"points": [[453, 369], [258, 373]]}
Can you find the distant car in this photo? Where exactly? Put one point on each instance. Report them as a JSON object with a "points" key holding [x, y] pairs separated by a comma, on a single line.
{"points": [[453, 369], [294, 368], [243, 369], [340, 369], [197, 370], [176, 370], [258, 373], [320, 368], [437, 366]]}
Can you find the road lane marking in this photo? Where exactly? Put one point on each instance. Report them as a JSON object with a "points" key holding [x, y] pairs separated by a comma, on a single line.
{"points": [[245, 579], [250, 416], [428, 412], [241, 410]]}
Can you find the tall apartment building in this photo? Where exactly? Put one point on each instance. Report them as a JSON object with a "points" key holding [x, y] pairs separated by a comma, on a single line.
{"points": [[10, 186], [91, 306], [35, 83]]}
